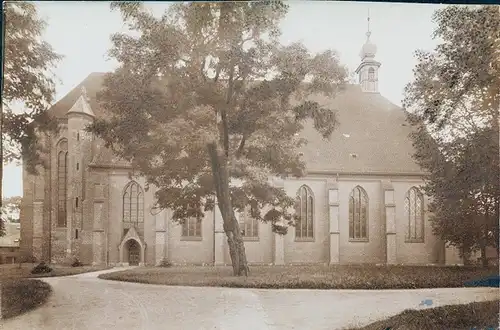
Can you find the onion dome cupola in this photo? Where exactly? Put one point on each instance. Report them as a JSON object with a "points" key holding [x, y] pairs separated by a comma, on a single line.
{"points": [[367, 70]]}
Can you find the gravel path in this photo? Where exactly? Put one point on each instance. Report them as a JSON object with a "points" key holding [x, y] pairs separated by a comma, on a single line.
{"points": [[86, 302]]}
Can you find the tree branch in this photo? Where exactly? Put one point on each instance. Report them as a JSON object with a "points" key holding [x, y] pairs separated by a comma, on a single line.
{"points": [[241, 146]]}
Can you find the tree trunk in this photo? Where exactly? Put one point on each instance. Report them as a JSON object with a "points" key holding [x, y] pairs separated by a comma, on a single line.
{"points": [[466, 254], [231, 226], [484, 260]]}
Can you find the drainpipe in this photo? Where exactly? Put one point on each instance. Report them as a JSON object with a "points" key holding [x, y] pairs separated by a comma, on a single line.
{"points": [[213, 235]]}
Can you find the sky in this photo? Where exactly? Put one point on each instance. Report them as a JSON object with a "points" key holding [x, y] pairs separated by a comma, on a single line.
{"points": [[81, 31]]}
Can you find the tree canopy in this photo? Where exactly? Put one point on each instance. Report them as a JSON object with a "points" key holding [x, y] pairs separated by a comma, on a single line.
{"points": [[27, 83], [206, 97], [454, 104]]}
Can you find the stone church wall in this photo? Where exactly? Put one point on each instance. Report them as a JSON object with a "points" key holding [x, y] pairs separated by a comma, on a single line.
{"points": [[373, 249]]}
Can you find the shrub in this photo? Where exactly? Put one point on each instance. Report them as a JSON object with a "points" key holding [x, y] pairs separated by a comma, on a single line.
{"points": [[76, 263], [165, 263], [41, 268]]}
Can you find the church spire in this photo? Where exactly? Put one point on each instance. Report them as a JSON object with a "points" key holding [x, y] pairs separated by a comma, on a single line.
{"points": [[368, 69]]}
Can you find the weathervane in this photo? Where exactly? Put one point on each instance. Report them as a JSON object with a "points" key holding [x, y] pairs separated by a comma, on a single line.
{"points": [[368, 33], [84, 92]]}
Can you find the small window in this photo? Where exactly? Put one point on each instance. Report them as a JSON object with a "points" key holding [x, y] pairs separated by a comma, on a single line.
{"points": [[76, 233], [78, 136], [191, 227], [248, 225], [371, 74], [77, 166], [76, 202]]}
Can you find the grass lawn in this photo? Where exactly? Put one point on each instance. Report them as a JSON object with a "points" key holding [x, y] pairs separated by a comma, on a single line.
{"points": [[14, 271], [308, 277], [478, 315], [22, 295], [21, 292]]}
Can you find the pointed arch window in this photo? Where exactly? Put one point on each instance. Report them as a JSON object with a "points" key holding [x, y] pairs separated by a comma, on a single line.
{"points": [[62, 183], [414, 215], [371, 74], [248, 225], [358, 215], [304, 229], [133, 203]]}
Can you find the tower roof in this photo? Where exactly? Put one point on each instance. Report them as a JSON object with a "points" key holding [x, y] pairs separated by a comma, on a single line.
{"points": [[369, 49], [82, 105]]}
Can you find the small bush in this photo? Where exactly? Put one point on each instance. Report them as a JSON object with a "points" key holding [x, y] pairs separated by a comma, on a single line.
{"points": [[76, 263], [41, 268], [165, 263]]}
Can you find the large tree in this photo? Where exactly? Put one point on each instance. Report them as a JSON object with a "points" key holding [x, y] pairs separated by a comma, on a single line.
{"points": [[28, 86], [454, 103], [207, 105]]}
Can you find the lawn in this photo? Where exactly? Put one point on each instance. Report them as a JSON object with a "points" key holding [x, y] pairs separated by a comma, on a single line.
{"points": [[15, 271], [308, 277], [22, 295], [478, 315], [22, 292]]}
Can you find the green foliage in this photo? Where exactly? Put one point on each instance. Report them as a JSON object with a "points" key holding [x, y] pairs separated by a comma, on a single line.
{"points": [[453, 103], [214, 72], [26, 81]]}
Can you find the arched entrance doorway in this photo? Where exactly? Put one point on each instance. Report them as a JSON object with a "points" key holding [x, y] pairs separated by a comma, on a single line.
{"points": [[133, 252]]}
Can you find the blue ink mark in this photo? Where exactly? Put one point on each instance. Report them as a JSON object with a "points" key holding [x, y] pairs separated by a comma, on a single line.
{"points": [[426, 302], [491, 281]]}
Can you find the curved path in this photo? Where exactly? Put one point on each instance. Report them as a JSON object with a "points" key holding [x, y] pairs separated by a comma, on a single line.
{"points": [[86, 302]]}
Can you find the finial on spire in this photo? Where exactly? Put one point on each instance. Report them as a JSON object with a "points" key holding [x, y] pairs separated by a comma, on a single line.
{"points": [[84, 92], [368, 32]]}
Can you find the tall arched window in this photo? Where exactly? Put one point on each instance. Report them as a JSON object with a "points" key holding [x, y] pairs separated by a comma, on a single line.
{"points": [[248, 225], [62, 182], [304, 228], [414, 215], [133, 203], [371, 74], [358, 215]]}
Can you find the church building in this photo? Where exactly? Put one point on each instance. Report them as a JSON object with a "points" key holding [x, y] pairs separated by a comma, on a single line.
{"points": [[360, 202]]}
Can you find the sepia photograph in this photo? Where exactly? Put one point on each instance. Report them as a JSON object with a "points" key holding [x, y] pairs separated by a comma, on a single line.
{"points": [[253, 165]]}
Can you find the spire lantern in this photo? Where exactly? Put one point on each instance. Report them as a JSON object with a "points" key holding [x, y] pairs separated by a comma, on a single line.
{"points": [[368, 69]]}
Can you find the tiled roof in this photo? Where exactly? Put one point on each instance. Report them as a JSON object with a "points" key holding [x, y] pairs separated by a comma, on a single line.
{"points": [[372, 136]]}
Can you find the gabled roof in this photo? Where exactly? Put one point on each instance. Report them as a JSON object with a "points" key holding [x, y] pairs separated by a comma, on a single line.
{"points": [[372, 137]]}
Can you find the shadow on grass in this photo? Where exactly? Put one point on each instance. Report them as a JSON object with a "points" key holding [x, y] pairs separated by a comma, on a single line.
{"points": [[22, 295], [478, 315]]}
